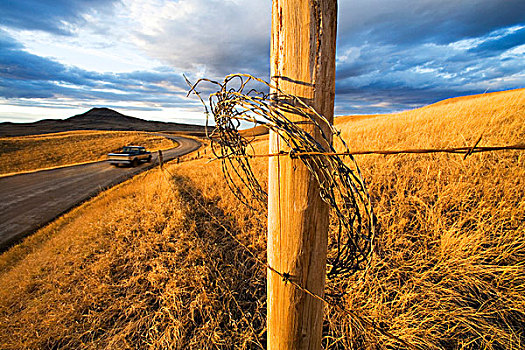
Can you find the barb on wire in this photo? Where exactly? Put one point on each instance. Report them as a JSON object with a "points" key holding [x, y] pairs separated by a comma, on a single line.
{"points": [[341, 185]]}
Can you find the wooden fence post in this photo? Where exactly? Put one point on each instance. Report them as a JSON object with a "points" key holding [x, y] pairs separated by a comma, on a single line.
{"points": [[302, 64], [161, 159]]}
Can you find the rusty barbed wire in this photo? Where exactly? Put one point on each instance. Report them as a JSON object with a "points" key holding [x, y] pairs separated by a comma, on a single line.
{"points": [[341, 184]]}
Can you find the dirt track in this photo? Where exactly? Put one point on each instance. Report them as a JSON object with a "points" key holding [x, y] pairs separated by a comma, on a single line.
{"points": [[32, 200]]}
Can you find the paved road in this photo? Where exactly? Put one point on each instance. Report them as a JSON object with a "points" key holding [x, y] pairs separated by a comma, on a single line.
{"points": [[28, 201]]}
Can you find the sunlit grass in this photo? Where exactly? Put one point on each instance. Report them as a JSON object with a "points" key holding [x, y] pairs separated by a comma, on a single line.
{"points": [[144, 267]]}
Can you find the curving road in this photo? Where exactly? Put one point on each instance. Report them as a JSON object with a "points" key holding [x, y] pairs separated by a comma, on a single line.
{"points": [[29, 201]]}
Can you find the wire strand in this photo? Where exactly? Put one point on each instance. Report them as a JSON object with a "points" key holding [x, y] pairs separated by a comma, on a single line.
{"points": [[455, 150]]}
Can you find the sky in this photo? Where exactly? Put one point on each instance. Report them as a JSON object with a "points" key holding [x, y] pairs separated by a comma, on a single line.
{"points": [[59, 58]]}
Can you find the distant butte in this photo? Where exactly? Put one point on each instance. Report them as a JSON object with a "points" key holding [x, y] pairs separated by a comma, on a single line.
{"points": [[95, 119], [102, 111]]}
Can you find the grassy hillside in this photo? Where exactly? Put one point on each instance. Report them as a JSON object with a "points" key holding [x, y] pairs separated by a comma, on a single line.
{"points": [[453, 122], [26, 153], [145, 266]]}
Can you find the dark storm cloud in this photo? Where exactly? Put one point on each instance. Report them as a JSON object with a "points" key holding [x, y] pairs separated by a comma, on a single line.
{"points": [[401, 22], [54, 16], [403, 54]]}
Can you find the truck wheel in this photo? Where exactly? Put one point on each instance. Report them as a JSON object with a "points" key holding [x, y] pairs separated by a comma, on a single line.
{"points": [[149, 159], [135, 162]]}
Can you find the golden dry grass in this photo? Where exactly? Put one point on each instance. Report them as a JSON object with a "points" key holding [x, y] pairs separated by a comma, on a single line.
{"points": [[449, 269], [26, 153], [138, 267], [142, 267]]}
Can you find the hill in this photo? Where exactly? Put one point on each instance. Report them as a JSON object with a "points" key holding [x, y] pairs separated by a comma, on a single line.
{"points": [[149, 265], [94, 119], [453, 100]]}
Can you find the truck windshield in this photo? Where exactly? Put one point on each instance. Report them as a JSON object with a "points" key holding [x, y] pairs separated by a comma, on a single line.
{"points": [[130, 150]]}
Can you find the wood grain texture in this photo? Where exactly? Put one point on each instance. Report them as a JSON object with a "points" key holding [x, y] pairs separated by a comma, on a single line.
{"points": [[302, 64]]}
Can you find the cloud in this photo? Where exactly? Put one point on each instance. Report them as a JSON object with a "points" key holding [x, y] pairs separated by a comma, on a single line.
{"points": [[399, 53], [412, 53], [404, 22], [54, 16], [8, 43], [391, 55], [207, 37], [27, 76], [501, 43]]}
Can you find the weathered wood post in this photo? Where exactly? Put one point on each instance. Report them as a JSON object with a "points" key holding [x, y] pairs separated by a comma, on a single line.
{"points": [[303, 64]]}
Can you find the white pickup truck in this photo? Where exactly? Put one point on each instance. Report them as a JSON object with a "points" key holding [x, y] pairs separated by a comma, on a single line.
{"points": [[130, 155]]}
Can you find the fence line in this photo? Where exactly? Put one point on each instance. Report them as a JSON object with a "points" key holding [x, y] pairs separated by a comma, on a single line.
{"points": [[455, 150], [168, 176]]}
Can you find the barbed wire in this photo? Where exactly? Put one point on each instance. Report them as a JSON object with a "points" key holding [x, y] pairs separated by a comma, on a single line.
{"points": [[341, 184], [454, 150], [169, 176]]}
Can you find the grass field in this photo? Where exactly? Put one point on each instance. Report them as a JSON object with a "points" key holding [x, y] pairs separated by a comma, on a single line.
{"points": [[28, 153], [145, 266]]}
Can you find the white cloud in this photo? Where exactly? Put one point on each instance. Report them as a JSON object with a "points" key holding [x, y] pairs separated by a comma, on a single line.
{"points": [[210, 37], [88, 50]]}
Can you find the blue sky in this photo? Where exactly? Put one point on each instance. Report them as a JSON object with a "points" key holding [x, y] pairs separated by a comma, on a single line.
{"points": [[62, 57]]}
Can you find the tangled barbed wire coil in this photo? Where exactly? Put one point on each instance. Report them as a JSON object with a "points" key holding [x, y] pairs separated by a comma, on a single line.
{"points": [[341, 184]]}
